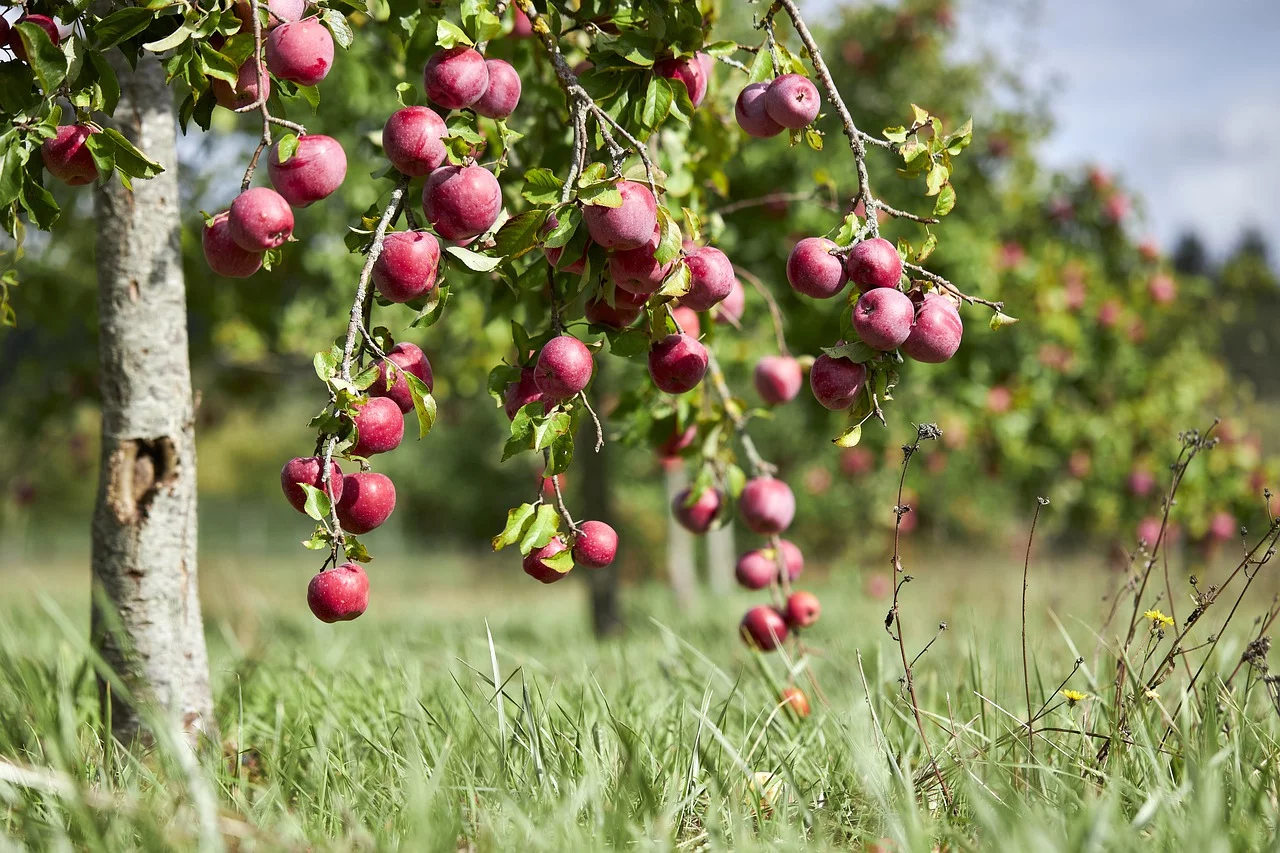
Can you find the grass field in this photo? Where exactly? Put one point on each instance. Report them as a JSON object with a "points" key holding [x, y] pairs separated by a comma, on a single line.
{"points": [[386, 733]]}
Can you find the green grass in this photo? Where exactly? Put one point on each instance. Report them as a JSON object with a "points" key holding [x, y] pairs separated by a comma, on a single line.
{"points": [[386, 733]]}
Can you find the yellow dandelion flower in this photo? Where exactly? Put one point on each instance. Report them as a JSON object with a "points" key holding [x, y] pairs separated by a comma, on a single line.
{"points": [[1074, 696], [1158, 618]]}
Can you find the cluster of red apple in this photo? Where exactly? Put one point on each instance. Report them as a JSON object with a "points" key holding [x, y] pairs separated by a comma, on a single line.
{"points": [[631, 234], [302, 169], [461, 203], [925, 326]]}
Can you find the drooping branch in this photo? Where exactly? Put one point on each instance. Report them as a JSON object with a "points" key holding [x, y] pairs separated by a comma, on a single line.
{"points": [[260, 102], [581, 104], [356, 331], [858, 142]]}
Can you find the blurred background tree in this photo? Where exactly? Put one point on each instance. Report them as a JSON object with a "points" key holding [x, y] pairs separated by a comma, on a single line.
{"points": [[1119, 347]]}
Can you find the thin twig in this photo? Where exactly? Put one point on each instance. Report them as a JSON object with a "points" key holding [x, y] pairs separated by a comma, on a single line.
{"points": [[775, 313], [595, 419], [923, 432], [1026, 677]]}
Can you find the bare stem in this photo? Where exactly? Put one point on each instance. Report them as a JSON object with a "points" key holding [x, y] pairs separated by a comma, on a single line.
{"points": [[362, 287], [1026, 676], [923, 432], [775, 313], [595, 419], [759, 467]]}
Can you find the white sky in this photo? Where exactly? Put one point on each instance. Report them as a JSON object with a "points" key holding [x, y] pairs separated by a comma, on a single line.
{"points": [[1179, 97]]}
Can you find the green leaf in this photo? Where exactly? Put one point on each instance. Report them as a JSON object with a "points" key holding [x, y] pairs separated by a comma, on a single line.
{"points": [[910, 151], [895, 134], [286, 147], [310, 94], [920, 115], [567, 224], [325, 363], [355, 550], [601, 195], [39, 203], [762, 66], [103, 153], [692, 223], [108, 84], [848, 227], [17, 89], [11, 166], [721, 48], [1000, 319], [960, 139], [129, 159], [677, 282], [856, 351], [424, 405], [319, 541], [519, 234], [521, 431], [170, 41], [44, 57], [473, 261], [541, 186], [849, 438], [937, 176], [545, 430], [337, 24], [434, 308], [595, 173], [930, 243], [946, 200], [449, 34], [317, 505], [628, 343], [669, 243], [657, 102], [120, 25], [561, 562], [518, 521], [543, 528], [217, 65], [561, 453]]}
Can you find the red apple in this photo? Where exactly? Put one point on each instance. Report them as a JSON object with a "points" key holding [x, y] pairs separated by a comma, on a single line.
{"points": [[408, 359], [596, 545], [767, 505], [307, 469], [698, 515], [339, 594], [379, 427], [368, 499], [763, 628]]}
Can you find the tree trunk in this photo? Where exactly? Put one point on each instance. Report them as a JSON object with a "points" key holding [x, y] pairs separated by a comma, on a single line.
{"points": [[146, 614], [681, 567], [597, 495]]}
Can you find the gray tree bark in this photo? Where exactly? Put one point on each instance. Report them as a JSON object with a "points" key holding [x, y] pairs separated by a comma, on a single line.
{"points": [[146, 619]]}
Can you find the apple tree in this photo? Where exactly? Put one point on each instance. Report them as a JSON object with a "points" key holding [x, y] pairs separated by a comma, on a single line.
{"points": [[588, 235]]}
